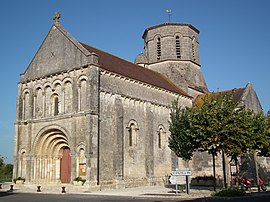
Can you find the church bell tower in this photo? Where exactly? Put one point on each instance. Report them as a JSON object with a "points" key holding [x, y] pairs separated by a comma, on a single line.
{"points": [[172, 49]]}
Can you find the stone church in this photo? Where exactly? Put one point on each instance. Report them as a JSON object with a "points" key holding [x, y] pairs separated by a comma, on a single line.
{"points": [[82, 112]]}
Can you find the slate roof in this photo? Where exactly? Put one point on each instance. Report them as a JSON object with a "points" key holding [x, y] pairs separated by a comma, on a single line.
{"points": [[125, 68]]}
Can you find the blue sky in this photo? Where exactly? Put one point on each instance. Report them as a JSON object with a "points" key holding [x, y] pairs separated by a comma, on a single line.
{"points": [[234, 40]]}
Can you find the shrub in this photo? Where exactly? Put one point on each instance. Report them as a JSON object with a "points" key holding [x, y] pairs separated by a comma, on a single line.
{"points": [[19, 178], [78, 179], [229, 193], [205, 178]]}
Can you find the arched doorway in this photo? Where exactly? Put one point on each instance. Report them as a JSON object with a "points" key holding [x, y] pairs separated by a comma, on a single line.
{"points": [[52, 161]]}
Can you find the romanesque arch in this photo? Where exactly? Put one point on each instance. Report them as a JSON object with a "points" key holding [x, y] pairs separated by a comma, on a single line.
{"points": [[132, 133], [81, 160], [38, 102], [52, 160], [161, 137], [68, 96], [22, 164], [26, 104], [82, 93]]}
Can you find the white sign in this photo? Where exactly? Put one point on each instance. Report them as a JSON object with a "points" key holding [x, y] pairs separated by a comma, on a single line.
{"points": [[181, 172], [176, 179]]}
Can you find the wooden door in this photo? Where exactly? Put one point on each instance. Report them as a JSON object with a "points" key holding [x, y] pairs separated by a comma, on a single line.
{"points": [[65, 166]]}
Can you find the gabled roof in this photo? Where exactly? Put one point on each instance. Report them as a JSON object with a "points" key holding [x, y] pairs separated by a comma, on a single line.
{"points": [[76, 54], [246, 96], [125, 68], [236, 92]]}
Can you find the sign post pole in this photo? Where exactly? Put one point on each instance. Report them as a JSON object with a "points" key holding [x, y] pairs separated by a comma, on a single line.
{"points": [[186, 173], [187, 184]]}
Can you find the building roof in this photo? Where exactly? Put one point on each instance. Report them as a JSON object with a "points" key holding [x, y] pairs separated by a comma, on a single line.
{"points": [[237, 94], [170, 24], [125, 68], [245, 96]]}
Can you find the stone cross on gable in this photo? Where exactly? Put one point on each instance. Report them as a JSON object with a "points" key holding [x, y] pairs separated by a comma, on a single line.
{"points": [[56, 17]]}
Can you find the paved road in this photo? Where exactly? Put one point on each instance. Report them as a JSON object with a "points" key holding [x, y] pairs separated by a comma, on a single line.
{"points": [[40, 197]]}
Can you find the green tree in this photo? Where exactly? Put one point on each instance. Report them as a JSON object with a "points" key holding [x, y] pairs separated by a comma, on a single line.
{"points": [[182, 139], [5, 170], [8, 169], [1, 161], [218, 123], [238, 130], [215, 121], [260, 138]]}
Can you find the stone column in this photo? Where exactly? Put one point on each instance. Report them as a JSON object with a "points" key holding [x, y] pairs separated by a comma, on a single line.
{"points": [[79, 97], [28, 168], [73, 165], [149, 141], [43, 104], [34, 106], [119, 154], [63, 101], [92, 160]]}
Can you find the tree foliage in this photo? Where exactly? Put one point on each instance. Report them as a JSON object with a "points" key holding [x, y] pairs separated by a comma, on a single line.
{"points": [[5, 170], [261, 141], [183, 139], [218, 123], [215, 122]]}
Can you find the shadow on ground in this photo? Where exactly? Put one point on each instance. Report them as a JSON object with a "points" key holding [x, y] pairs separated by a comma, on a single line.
{"points": [[6, 193]]}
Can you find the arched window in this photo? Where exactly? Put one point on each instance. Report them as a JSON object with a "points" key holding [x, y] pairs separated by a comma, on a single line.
{"points": [[132, 133], [158, 48], [39, 103], [26, 106], [82, 163], [177, 47], [68, 97], [161, 138], [83, 95], [47, 103], [55, 105]]}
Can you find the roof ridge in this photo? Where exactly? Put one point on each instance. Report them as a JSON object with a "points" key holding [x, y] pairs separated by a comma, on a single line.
{"points": [[128, 69], [234, 91], [115, 56]]}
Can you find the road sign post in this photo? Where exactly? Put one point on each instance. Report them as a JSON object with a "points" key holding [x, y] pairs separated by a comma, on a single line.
{"points": [[174, 179]]}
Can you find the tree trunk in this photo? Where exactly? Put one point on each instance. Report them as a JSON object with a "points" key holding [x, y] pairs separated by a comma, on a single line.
{"points": [[256, 171], [214, 170], [224, 170]]}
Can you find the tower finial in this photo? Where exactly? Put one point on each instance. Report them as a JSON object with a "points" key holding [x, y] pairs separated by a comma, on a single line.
{"points": [[56, 17], [169, 14]]}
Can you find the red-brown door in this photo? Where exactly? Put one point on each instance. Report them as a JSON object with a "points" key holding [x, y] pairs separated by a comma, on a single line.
{"points": [[65, 166]]}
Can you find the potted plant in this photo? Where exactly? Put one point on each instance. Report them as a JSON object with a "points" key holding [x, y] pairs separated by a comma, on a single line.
{"points": [[19, 180], [78, 181]]}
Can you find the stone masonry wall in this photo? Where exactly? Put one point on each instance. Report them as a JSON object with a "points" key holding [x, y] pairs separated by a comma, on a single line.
{"points": [[123, 103], [167, 35]]}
